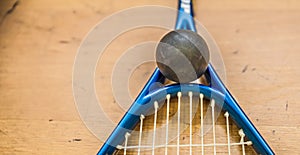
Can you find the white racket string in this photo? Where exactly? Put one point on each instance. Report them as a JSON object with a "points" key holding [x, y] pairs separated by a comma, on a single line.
{"points": [[178, 121], [213, 124], [167, 123], [190, 144], [154, 126], [227, 131], [242, 134], [126, 141], [141, 131], [201, 122], [184, 145], [191, 120]]}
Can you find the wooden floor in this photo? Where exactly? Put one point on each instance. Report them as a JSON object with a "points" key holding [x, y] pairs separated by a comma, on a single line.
{"points": [[39, 39]]}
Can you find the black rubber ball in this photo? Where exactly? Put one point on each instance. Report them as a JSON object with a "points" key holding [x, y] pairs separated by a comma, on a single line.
{"points": [[182, 56]]}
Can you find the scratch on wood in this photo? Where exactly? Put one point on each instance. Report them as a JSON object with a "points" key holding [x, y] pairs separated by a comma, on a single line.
{"points": [[77, 140], [286, 105], [245, 69], [63, 41], [2, 132], [9, 11], [13, 7], [74, 140]]}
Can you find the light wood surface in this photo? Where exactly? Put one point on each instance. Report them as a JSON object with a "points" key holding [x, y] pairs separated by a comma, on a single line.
{"points": [[39, 39]]}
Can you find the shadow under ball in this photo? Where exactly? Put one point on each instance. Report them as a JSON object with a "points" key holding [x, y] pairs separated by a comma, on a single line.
{"points": [[182, 56]]}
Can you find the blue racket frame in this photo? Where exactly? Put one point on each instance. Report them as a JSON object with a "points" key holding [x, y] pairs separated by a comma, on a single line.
{"points": [[185, 20]]}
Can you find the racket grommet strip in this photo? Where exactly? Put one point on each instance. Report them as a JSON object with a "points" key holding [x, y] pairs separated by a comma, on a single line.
{"points": [[168, 96], [179, 94], [201, 96], [249, 143], [119, 147], [241, 133], [142, 116], [226, 114], [190, 93]]}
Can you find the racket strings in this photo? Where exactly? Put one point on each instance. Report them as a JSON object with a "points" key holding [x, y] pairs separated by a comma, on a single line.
{"points": [[190, 145]]}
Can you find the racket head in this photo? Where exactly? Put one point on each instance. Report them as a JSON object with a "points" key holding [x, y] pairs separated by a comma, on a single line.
{"points": [[145, 107]]}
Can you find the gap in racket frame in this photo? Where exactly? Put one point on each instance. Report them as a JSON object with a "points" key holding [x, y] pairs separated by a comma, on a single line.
{"points": [[185, 20]]}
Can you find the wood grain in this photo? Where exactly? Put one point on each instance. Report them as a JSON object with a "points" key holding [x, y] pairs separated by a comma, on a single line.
{"points": [[39, 39]]}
